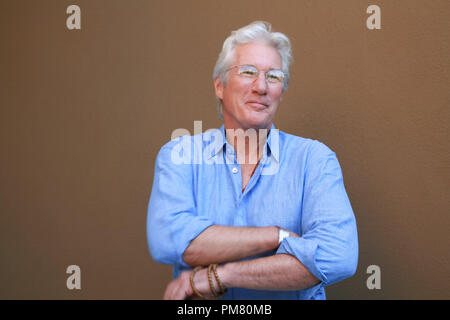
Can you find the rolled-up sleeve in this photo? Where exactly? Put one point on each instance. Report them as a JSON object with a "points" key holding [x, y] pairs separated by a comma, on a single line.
{"points": [[172, 219], [328, 246]]}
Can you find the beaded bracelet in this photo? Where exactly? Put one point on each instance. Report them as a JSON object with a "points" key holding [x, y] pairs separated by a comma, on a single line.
{"points": [[211, 284], [216, 294], [193, 286], [222, 288]]}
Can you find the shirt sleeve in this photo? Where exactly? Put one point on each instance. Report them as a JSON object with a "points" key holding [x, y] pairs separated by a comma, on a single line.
{"points": [[172, 219], [328, 246]]}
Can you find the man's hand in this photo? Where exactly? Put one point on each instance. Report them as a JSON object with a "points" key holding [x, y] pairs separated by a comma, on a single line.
{"points": [[179, 288]]}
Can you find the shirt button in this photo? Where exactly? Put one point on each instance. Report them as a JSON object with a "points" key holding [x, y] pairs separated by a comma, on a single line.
{"points": [[234, 170]]}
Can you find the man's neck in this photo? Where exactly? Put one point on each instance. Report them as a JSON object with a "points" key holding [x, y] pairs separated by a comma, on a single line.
{"points": [[248, 143]]}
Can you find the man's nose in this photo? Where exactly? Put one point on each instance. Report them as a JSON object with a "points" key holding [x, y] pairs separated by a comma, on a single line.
{"points": [[260, 84]]}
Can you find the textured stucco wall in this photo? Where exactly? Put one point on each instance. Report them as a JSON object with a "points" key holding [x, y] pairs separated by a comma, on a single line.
{"points": [[83, 114]]}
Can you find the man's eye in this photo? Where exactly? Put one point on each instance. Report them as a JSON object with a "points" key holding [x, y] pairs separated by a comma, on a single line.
{"points": [[275, 77], [248, 72]]}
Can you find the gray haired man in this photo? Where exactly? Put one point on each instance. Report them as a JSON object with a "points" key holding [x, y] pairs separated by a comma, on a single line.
{"points": [[231, 231]]}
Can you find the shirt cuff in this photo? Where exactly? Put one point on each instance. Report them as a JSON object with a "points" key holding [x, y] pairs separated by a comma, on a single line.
{"points": [[305, 251]]}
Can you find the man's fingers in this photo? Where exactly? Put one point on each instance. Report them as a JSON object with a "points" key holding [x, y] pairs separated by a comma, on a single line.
{"points": [[167, 293], [178, 289], [171, 290]]}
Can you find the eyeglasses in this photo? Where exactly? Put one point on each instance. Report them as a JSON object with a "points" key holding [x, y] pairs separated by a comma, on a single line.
{"points": [[251, 72]]}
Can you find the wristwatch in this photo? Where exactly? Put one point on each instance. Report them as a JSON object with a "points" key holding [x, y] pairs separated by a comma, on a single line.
{"points": [[282, 234]]}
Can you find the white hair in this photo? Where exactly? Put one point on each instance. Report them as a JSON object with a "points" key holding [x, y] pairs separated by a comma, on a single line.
{"points": [[258, 31]]}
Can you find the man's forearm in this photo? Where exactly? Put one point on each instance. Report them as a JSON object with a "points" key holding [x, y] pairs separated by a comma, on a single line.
{"points": [[277, 272], [219, 244]]}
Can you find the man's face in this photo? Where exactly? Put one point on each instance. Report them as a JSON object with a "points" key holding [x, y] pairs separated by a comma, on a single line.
{"points": [[250, 103]]}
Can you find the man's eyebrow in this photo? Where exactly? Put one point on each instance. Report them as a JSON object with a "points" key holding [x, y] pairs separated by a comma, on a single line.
{"points": [[267, 69]]}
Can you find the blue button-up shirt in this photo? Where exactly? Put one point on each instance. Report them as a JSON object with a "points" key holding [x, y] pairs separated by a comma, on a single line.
{"points": [[297, 185]]}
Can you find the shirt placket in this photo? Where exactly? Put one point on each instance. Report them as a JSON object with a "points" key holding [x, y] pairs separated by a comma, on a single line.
{"points": [[240, 218], [234, 170]]}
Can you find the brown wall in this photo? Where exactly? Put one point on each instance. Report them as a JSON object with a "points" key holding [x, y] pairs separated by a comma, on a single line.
{"points": [[84, 113]]}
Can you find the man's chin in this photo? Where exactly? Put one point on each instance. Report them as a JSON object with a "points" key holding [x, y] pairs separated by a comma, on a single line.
{"points": [[251, 119], [257, 123]]}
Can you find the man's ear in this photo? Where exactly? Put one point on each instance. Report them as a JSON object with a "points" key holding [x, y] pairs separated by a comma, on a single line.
{"points": [[218, 87]]}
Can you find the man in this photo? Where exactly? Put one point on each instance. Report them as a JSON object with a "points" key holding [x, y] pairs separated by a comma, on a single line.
{"points": [[252, 232]]}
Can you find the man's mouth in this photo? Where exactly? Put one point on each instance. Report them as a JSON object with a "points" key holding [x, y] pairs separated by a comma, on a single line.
{"points": [[257, 104]]}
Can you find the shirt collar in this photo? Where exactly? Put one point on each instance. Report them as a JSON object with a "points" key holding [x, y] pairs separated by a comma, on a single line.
{"points": [[271, 147]]}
